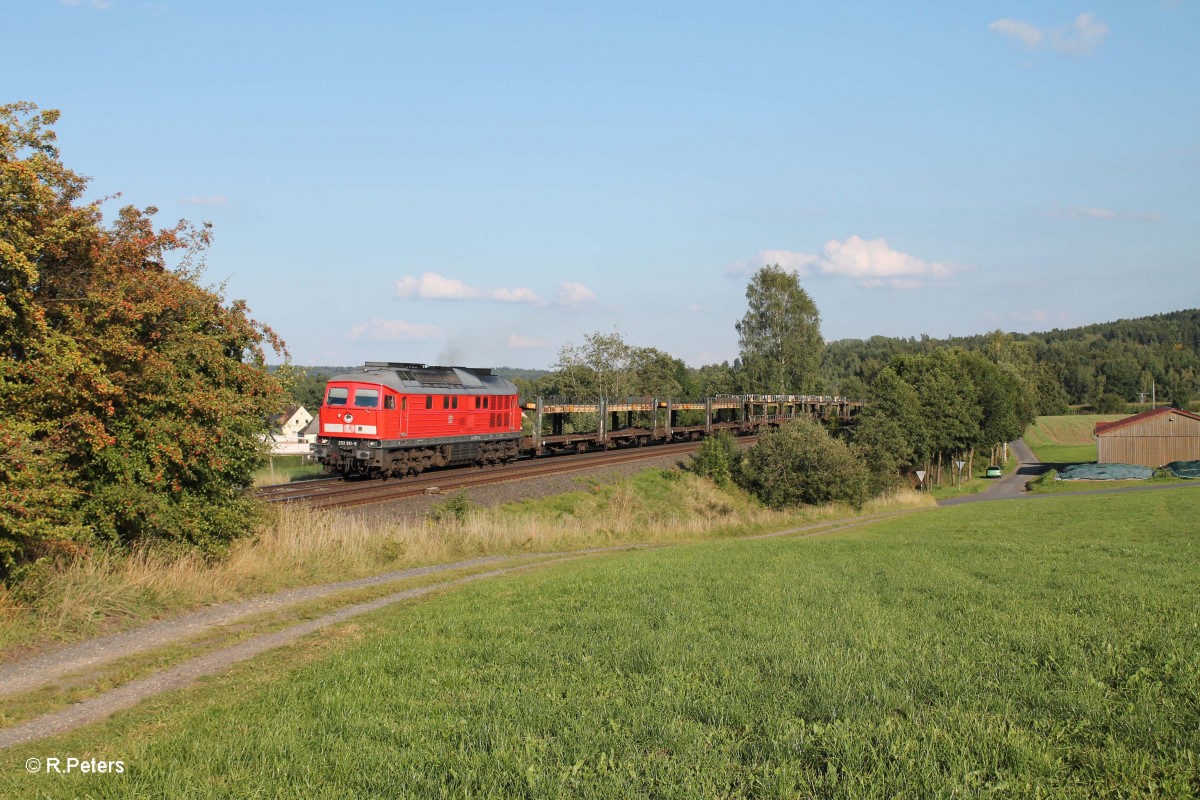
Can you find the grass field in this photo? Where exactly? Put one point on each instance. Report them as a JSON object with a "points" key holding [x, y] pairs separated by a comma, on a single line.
{"points": [[1021, 649], [1066, 439]]}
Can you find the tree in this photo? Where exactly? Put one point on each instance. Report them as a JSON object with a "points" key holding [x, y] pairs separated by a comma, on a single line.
{"points": [[780, 336], [603, 366], [881, 444], [132, 398]]}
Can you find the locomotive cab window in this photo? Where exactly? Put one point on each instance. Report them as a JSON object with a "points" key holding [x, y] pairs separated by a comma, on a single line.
{"points": [[366, 398], [454, 401], [337, 396], [389, 401], [445, 401], [429, 401]]}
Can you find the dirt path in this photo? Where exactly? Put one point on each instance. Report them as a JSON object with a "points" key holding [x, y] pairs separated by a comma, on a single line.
{"points": [[24, 674], [104, 705]]}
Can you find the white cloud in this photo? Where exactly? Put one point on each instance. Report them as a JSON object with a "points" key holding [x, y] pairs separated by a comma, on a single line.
{"points": [[1081, 37], [1107, 214], [431, 286], [871, 262], [394, 330], [1029, 35], [574, 294], [798, 263], [206, 200], [875, 264], [518, 342], [515, 296], [1093, 213]]}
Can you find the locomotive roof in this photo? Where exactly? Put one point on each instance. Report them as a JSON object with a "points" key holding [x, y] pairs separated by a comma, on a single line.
{"points": [[405, 377]]}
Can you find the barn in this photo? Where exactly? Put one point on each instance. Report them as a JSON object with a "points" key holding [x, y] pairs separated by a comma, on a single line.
{"points": [[1152, 438]]}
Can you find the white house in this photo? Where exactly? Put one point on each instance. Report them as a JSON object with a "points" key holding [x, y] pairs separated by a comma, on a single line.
{"points": [[292, 421]]}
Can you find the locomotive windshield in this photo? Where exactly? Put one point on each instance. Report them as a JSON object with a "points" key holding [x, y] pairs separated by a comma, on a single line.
{"points": [[366, 398], [337, 396]]}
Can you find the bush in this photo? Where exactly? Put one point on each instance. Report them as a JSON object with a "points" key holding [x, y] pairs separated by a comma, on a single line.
{"points": [[719, 459], [455, 508], [1111, 403], [800, 463]]}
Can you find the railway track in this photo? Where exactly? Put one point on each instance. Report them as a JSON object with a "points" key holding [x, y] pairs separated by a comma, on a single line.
{"points": [[336, 493]]}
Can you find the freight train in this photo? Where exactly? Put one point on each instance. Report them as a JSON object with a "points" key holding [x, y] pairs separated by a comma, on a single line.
{"points": [[390, 419]]}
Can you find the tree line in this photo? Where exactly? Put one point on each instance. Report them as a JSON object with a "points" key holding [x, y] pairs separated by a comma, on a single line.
{"points": [[1104, 366]]}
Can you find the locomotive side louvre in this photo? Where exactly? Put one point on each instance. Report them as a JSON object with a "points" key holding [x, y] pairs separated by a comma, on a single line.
{"points": [[389, 418]]}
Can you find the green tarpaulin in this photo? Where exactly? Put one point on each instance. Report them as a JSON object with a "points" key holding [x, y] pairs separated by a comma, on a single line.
{"points": [[1185, 469], [1105, 472]]}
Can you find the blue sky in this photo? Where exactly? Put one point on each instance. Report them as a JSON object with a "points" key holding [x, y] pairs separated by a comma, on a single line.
{"points": [[481, 183]]}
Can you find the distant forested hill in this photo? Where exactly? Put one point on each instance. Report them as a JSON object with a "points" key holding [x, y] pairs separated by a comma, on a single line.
{"points": [[1082, 365]]}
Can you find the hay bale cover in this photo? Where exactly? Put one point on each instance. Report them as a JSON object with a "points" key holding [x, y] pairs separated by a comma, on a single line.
{"points": [[1185, 469], [1105, 472]]}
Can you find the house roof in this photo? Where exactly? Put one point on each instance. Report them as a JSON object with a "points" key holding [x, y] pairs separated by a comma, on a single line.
{"points": [[314, 426], [1107, 427], [289, 414]]}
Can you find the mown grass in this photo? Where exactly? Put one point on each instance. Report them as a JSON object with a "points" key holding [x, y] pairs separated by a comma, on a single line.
{"points": [[104, 591], [1025, 649], [1066, 439]]}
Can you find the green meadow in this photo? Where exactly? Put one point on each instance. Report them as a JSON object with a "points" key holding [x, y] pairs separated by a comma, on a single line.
{"points": [[1036, 648], [1067, 439]]}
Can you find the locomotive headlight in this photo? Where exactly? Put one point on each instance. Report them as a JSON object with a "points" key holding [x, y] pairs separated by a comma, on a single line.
{"points": [[349, 418], [373, 443], [322, 440]]}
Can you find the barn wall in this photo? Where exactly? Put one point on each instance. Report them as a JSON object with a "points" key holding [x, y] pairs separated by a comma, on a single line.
{"points": [[1153, 442]]}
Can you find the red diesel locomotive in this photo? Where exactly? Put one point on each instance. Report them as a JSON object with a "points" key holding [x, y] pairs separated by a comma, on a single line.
{"points": [[389, 419]]}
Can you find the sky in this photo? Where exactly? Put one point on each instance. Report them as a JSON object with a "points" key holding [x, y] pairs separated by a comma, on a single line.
{"points": [[483, 183]]}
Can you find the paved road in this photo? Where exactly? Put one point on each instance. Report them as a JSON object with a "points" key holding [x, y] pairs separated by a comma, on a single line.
{"points": [[1011, 485]]}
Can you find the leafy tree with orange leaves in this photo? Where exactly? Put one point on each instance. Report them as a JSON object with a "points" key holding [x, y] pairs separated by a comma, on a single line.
{"points": [[133, 398]]}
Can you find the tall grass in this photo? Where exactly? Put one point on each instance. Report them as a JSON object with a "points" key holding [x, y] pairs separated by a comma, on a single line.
{"points": [[106, 589]]}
